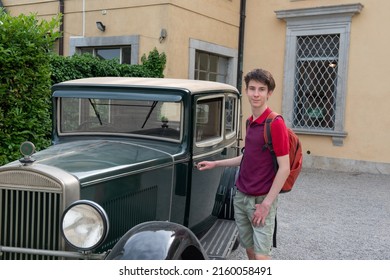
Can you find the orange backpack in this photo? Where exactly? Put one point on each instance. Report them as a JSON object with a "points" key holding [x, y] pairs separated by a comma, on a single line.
{"points": [[295, 152]]}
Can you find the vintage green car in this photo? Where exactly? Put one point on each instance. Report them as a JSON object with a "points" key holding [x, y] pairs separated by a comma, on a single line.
{"points": [[120, 180]]}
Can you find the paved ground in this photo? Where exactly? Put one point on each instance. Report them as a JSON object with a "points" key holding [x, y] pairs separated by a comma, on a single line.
{"points": [[333, 216]]}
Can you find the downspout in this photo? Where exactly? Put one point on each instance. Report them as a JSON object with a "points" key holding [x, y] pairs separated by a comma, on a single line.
{"points": [[241, 43], [240, 59], [61, 39], [83, 12]]}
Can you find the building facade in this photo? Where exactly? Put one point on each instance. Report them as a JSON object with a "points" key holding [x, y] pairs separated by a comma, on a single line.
{"points": [[329, 59]]}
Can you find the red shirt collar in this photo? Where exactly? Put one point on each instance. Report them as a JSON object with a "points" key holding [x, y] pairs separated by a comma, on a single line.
{"points": [[262, 118]]}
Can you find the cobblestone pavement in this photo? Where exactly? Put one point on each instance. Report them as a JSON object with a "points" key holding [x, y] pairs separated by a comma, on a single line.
{"points": [[333, 216]]}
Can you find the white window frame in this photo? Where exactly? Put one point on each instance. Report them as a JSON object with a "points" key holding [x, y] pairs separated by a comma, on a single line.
{"points": [[318, 21]]}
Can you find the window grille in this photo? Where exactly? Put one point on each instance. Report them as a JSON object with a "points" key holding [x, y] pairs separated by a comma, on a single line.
{"points": [[315, 85]]}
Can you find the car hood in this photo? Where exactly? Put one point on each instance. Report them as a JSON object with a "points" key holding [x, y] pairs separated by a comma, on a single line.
{"points": [[93, 158]]}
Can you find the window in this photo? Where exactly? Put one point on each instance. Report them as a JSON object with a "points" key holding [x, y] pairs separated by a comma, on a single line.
{"points": [[141, 118], [315, 85], [209, 120], [210, 67], [316, 81], [122, 54], [123, 48], [231, 113], [212, 62]]}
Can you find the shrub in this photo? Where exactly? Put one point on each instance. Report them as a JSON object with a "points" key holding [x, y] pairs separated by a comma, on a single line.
{"points": [[25, 105], [85, 65]]}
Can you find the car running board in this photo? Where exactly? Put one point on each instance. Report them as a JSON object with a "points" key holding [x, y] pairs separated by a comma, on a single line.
{"points": [[220, 239]]}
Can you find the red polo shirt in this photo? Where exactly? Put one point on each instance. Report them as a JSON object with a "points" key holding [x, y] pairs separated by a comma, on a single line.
{"points": [[257, 170]]}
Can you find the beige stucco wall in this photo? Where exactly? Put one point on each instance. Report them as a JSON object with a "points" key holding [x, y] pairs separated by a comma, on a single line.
{"points": [[147, 18], [210, 21], [367, 101], [44, 9]]}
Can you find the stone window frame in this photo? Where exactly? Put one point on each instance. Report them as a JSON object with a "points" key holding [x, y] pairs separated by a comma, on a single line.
{"points": [[318, 21]]}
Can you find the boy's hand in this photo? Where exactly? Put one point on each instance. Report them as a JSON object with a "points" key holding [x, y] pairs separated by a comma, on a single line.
{"points": [[260, 214], [204, 165]]}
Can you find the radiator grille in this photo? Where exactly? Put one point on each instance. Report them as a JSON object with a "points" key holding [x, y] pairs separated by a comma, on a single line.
{"points": [[129, 210], [29, 216]]}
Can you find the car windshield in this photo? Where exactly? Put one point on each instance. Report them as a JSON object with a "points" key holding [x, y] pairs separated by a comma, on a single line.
{"points": [[152, 119]]}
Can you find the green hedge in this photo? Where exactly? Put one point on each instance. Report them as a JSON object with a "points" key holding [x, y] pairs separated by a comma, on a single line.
{"points": [[83, 66], [24, 82], [28, 69]]}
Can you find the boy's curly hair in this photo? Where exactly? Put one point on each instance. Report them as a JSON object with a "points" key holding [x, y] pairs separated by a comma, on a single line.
{"points": [[262, 76]]}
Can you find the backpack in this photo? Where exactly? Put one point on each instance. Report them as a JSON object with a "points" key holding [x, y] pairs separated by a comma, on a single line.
{"points": [[295, 152]]}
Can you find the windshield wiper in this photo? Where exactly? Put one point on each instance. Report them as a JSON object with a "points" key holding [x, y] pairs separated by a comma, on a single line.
{"points": [[96, 111], [150, 112]]}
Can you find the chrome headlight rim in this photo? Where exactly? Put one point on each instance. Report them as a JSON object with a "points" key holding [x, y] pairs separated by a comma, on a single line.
{"points": [[102, 215]]}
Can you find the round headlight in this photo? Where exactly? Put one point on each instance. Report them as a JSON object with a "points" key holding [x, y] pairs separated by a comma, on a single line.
{"points": [[84, 225]]}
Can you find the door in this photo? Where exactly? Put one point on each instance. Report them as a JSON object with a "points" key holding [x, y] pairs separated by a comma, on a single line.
{"points": [[215, 138]]}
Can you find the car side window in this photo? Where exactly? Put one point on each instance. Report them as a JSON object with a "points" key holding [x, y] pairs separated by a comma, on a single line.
{"points": [[231, 114], [209, 120]]}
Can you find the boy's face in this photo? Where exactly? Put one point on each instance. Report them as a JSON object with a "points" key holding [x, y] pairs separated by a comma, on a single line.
{"points": [[257, 93]]}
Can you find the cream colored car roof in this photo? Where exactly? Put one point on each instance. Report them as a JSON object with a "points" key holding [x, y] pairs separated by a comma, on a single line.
{"points": [[192, 85]]}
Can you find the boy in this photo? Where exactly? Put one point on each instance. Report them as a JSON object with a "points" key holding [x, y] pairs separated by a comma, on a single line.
{"points": [[258, 184]]}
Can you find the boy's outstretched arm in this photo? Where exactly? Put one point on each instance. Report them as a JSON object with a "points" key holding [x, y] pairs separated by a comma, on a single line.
{"points": [[204, 165]]}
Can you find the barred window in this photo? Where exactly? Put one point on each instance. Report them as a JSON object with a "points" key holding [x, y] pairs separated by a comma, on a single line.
{"points": [[316, 69], [316, 81]]}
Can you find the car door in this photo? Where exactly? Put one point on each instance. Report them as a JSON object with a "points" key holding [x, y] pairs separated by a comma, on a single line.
{"points": [[215, 138]]}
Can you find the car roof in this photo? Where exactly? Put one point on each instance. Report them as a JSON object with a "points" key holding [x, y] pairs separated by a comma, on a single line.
{"points": [[194, 86]]}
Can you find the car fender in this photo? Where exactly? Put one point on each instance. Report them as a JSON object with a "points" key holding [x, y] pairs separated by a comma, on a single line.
{"points": [[158, 240]]}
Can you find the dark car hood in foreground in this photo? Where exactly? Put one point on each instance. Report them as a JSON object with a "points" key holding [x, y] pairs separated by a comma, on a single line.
{"points": [[93, 158]]}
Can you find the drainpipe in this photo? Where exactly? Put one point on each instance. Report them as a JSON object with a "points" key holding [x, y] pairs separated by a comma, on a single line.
{"points": [[61, 39], [240, 59], [83, 12], [241, 43]]}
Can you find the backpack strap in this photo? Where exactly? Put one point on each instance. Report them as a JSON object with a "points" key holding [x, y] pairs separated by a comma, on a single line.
{"points": [[268, 137], [268, 145]]}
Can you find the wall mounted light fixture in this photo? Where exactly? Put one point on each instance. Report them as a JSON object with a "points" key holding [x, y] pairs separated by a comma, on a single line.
{"points": [[163, 35], [100, 26]]}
